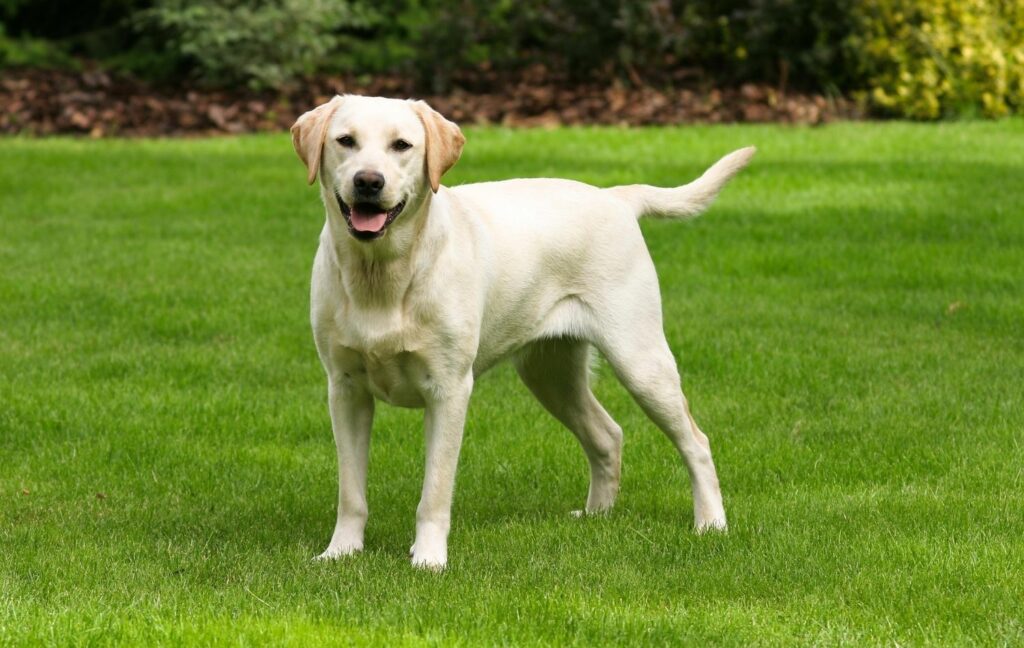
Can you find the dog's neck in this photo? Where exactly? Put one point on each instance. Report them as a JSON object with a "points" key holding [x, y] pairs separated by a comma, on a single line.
{"points": [[380, 273]]}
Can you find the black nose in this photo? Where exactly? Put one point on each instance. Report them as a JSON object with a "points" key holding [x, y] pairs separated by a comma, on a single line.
{"points": [[368, 182]]}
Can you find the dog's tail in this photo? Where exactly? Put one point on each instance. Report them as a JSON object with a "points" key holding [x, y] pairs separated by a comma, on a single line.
{"points": [[690, 199]]}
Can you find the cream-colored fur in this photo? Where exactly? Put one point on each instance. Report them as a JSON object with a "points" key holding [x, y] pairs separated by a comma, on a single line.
{"points": [[537, 271]]}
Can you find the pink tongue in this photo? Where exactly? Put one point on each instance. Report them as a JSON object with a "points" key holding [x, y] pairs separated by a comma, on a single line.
{"points": [[363, 222]]}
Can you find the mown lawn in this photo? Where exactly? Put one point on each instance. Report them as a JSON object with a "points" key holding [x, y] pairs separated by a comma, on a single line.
{"points": [[848, 317]]}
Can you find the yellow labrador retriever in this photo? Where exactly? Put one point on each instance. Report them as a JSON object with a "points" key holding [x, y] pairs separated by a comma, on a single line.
{"points": [[419, 288]]}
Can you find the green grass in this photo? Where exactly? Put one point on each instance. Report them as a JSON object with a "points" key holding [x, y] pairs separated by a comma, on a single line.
{"points": [[849, 320]]}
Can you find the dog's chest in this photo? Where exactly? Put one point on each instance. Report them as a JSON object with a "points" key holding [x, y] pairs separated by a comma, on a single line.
{"points": [[380, 349]]}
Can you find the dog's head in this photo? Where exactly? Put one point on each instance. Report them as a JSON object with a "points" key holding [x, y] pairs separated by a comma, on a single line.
{"points": [[376, 157]]}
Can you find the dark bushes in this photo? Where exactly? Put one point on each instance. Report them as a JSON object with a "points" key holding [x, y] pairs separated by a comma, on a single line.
{"points": [[915, 58]]}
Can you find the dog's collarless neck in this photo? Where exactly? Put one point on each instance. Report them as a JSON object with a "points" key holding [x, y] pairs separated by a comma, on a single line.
{"points": [[381, 271]]}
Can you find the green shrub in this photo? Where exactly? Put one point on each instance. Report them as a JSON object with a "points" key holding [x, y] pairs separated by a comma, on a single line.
{"points": [[926, 59], [921, 59], [781, 41], [432, 40], [262, 44], [653, 41], [31, 52], [51, 33]]}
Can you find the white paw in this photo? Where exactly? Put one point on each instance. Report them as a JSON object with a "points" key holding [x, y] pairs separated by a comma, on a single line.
{"points": [[591, 512], [711, 525], [340, 549], [432, 555]]}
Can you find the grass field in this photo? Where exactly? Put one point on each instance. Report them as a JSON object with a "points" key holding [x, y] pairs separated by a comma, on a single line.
{"points": [[848, 318]]}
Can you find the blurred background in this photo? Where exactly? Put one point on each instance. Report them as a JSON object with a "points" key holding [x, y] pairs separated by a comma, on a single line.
{"points": [[170, 66]]}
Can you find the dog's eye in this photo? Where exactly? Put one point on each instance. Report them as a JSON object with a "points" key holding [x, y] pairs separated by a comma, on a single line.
{"points": [[347, 141], [401, 145]]}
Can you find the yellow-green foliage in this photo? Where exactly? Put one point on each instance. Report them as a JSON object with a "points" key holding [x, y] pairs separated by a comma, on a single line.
{"points": [[929, 58]]}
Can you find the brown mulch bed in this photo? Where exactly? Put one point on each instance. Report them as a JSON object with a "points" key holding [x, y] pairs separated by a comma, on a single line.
{"points": [[97, 104]]}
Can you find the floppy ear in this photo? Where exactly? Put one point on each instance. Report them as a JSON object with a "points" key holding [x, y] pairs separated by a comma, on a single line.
{"points": [[444, 143], [308, 133]]}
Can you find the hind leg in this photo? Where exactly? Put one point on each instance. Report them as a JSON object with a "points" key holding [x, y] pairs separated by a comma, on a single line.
{"points": [[557, 373], [641, 358], [650, 375]]}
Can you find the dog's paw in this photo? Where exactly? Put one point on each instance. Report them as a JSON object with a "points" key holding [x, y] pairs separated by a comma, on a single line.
{"points": [[583, 513], [430, 563], [339, 550], [430, 556], [711, 525]]}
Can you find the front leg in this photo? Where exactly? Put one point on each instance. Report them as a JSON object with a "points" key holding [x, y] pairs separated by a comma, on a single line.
{"points": [[351, 418], [443, 422]]}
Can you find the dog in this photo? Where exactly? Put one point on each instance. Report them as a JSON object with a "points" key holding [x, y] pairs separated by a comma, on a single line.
{"points": [[418, 289]]}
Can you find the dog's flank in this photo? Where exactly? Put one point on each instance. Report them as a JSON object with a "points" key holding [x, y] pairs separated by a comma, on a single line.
{"points": [[688, 200]]}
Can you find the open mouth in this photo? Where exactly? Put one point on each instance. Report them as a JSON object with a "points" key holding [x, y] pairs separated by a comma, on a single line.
{"points": [[367, 221]]}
